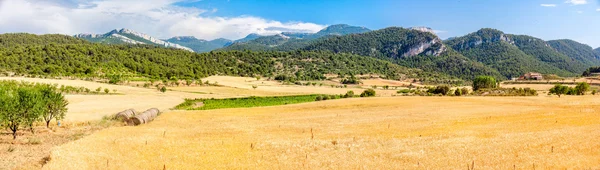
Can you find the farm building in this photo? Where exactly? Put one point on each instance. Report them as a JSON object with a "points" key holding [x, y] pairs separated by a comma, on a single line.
{"points": [[532, 76]]}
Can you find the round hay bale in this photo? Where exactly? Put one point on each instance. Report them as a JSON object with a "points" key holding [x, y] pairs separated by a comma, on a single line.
{"points": [[125, 115], [137, 120]]}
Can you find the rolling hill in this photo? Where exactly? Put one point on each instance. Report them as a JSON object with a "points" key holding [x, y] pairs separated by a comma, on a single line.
{"points": [[513, 55], [59, 55]]}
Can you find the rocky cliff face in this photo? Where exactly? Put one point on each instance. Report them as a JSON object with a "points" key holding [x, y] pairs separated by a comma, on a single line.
{"points": [[434, 47], [153, 40], [130, 37]]}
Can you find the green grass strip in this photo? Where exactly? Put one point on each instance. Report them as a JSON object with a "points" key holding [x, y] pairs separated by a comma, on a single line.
{"points": [[209, 104]]}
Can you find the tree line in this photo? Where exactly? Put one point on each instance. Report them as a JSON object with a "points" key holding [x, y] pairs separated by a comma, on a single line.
{"points": [[59, 55]]}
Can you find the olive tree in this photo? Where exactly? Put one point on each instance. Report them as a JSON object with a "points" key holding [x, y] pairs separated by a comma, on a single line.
{"points": [[55, 105], [582, 88], [484, 82], [559, 90]]}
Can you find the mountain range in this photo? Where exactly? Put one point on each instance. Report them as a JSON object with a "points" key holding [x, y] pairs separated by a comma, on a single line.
{"points": [[484, 52], [127, 36]]}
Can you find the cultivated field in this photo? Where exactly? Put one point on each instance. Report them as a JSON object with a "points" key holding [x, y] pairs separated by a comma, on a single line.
{"points": [[375, 133], [385, 132]]}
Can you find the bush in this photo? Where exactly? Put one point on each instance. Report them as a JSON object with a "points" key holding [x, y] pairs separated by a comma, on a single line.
{"points": [[582, 88], [351, 80], [484, 82], [457, 92], [443, 90], [368, 93], [405, 91], [319, 98], [349, 94], [464, 91], [163, 89]]}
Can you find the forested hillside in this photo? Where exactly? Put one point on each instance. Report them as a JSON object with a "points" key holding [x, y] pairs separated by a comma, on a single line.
{"points": [[577, 51], [513, 55], [59, 55], [407, 47]]}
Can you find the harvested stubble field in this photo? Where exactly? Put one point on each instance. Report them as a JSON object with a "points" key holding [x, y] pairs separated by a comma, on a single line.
{"points": [[360, 133]]}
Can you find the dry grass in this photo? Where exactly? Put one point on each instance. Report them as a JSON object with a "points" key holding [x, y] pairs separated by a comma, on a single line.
{"points": [[375, 133], [31, 151]]}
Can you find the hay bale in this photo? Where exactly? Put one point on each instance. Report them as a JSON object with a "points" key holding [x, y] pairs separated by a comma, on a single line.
{"points": [[145, 117], [125, 115], [139, 119]]}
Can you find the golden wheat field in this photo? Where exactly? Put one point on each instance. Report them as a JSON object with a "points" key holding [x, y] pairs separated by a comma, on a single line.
{"points": [[375, 133]]}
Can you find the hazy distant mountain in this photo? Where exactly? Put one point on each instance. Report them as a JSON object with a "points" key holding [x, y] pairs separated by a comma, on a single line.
{"points": [[249, 37], [128, 36], [199, 45], [289, 40], [597, 50]]}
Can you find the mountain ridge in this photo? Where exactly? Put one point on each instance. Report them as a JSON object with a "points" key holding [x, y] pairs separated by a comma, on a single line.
{"points": [[128, 36]]}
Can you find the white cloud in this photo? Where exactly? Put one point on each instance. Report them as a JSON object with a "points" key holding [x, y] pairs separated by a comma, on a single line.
{"points": [[154, 17], [548, 5], [598, 9], [576, 2], [579, 12]]}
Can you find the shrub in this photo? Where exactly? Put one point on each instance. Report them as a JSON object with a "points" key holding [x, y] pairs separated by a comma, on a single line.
{"points": [[484, 82], [106, 91], [319, 98], [559, 90], [163, 89], [458, 92], [464, 91], [351, 80], [368, 93], [404, 91], [443, 90], [349, 94], [582, 88]]}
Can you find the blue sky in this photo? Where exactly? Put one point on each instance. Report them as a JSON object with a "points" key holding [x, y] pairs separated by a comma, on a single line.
{"points": [[234, 19], [557, 19]]}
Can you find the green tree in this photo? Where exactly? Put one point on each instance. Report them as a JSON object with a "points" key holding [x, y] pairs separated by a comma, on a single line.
{"points": [[582, 88], [349, 94], [31, 104], [368, 93], [484, 82], [106, 91], [55, 104], [9, 103], [163, 89], [559, 90]]}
